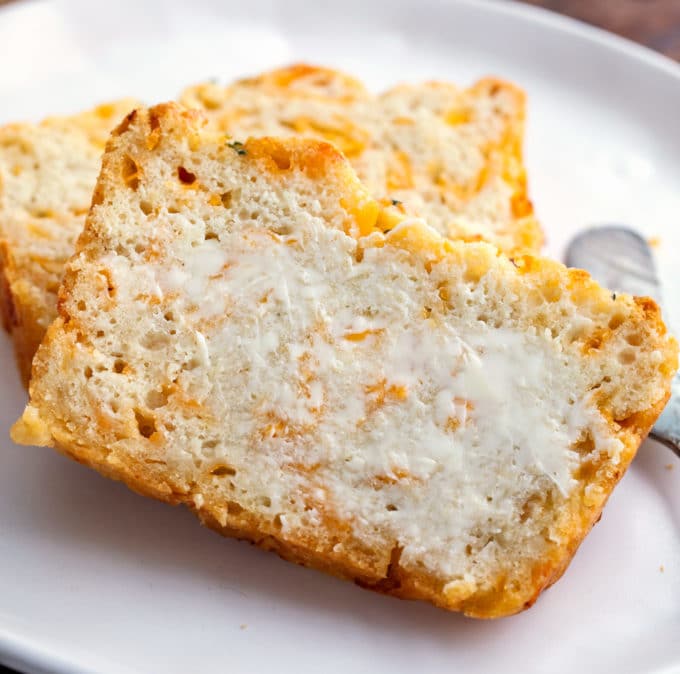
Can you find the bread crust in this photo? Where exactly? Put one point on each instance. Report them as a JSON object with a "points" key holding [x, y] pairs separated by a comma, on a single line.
{"points": [[19, 316], [342, 553]]}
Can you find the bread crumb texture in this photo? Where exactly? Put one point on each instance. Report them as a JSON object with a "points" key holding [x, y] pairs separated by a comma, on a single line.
{"points": [[425, 417], [47, 173], [450, 155]]}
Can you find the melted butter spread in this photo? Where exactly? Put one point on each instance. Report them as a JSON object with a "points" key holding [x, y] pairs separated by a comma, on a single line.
{"points": [[425, 429]]}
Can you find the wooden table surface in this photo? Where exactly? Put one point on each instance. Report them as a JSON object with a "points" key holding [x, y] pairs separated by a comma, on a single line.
{"points": [[655, 23]]}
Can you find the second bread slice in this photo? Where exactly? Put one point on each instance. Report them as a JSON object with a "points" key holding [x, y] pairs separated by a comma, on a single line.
{"points": [[450, 155], [47, 173]]}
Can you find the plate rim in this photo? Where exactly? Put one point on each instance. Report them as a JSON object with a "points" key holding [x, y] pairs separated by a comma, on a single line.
{"points": [[19, 651], [576, 27]]}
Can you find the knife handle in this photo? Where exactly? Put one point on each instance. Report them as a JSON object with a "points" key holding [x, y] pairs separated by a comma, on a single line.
{"points": [[667, 427]]}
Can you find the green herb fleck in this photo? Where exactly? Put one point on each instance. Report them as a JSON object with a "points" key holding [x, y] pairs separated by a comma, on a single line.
{"points": [[613, 296], [237, 147], [396, 202]]}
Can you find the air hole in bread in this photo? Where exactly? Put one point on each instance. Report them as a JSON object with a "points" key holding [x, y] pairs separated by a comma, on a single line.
{"points": [[146, 424], [234, 508], [211, 235], [391, 507], [225, 198], [81, 305], [277, 522], [266, 502], [616, 320], [210, 444], [129, 172], [634, 339], [145, 207], [222, 470], [585, 446], [119, 366], [110, 288], [185, 177], [627, 356], [87, 372], [587, 470], [173, 209], [169, 316]]}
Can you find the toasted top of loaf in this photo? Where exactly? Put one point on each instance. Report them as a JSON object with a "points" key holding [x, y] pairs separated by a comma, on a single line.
{"points": [[424, 416], [47, 173], [450, 155]]}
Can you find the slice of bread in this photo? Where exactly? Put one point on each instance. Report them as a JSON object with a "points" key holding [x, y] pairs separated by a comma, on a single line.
{"points": [[450, 155], [47, 173], [422, 416]]}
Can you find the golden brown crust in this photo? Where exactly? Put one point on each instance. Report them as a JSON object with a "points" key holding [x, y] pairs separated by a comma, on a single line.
{"points": [[21, 317], [389, 578]]}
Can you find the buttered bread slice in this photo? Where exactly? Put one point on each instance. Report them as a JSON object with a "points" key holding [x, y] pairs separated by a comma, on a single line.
{"points": [[425, 417], [47, 173], [450, 155]]}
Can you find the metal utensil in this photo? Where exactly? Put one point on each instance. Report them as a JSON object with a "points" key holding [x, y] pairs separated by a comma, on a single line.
{"points": [[621, 260]]}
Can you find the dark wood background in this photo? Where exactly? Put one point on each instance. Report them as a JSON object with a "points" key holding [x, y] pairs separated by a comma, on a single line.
{"points": [[655, 23]]}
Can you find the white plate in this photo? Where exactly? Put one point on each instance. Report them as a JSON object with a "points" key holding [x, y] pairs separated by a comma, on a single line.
{"points": [[95, 578]]}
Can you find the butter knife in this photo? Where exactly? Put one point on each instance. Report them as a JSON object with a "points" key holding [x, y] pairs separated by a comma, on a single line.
{"points": [[620, 259]]}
